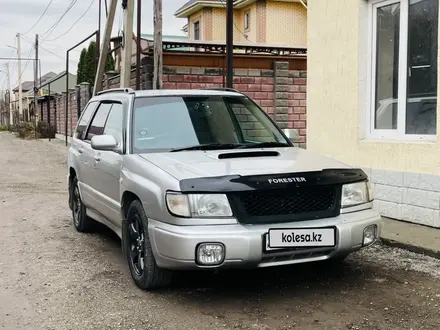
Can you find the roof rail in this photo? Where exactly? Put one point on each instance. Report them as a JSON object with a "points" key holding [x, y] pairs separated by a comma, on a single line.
{"points": [[225, 89], [117, 90]]}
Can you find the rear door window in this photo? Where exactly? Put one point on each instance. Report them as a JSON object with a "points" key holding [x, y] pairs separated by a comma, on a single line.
{"points": [[113, 125]]}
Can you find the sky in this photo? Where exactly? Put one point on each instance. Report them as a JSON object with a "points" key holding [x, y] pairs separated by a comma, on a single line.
{"points": [[19, 16]]}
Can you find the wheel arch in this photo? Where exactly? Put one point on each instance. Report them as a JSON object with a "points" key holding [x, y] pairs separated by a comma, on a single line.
{"points": [[72, 175], [127, 198]]}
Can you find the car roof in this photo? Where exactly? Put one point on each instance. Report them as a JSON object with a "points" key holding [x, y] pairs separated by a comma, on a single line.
{"points": [[164, 92], [177, 92]]}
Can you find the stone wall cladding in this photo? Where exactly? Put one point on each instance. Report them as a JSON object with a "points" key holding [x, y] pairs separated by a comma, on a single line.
{"points": [[412, 197]]}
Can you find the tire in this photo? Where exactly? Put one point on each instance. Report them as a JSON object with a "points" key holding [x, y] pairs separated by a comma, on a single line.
{"points": [[141, 262], [81, 221]]}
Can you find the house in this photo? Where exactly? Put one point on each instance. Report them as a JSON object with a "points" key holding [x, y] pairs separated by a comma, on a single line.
{"points": [[278, 22], [56, 83], [28, 86], [27, 90], [372, 98]]}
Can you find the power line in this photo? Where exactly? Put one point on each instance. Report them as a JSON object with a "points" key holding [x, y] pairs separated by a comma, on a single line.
{"points": [[52, 28], [91, 3], [49, 51], [15, 63], [54, 54], [44, 12], [27, 63]]}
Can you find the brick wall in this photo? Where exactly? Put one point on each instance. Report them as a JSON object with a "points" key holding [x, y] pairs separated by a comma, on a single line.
{"points": [[58, 106], [280, 92]]}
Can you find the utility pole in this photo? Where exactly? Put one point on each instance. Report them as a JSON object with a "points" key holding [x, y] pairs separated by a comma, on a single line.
{"points": [[35, 86], [99, 17], [105, 47], [11, 118], [158, 47], [230, 43], [138, 44], [20, 90], [127, 50], [2, 105]]}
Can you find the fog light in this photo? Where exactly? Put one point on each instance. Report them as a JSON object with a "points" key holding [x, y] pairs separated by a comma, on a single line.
{"points": [[370, 234], [210, 254]]}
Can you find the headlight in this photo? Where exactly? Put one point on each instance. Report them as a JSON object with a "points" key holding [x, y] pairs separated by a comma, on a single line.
{"points": [[198, 205], [356, 193]]}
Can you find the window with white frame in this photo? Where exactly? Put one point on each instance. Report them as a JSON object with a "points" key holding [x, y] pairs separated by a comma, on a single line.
{"points": [[404, 69]]}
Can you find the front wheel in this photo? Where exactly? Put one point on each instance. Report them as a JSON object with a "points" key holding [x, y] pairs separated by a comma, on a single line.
{"points": [[143, 268]]}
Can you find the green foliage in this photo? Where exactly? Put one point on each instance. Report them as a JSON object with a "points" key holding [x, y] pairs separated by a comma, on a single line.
{"points": [[80, 72], [87, 64], [4, 128], [90, 63], [109, 63]]}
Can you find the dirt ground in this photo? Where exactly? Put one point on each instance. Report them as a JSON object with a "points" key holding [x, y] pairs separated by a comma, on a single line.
{"points": [[52, 277]]}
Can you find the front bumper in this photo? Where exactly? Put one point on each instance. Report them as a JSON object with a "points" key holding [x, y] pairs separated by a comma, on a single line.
{"points": [[174, 247]]}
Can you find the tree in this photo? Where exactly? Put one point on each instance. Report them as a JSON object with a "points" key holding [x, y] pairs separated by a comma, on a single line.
{"points": [[80, 77], [90, 63], [87, 64], [110, 63]]}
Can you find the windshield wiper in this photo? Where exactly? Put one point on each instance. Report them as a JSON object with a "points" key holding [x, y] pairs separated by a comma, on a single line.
{"points": [[265, 145], [209, 146]]}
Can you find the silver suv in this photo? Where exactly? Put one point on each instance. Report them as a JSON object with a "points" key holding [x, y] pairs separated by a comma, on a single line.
{"points": [[204, 179]]}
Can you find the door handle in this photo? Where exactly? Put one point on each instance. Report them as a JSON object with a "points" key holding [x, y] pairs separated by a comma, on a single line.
{"points": [[97, 157]]}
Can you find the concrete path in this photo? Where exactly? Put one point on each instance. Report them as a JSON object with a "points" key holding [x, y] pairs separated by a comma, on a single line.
{"points": [[412, 237]]}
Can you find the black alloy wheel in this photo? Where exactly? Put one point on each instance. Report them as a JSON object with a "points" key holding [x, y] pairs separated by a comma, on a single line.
{"points": [[137, 242], [81, 221], [137, 246]]}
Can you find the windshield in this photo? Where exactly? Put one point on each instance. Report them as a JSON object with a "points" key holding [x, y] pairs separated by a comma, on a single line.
{"points": [[173, 122]]}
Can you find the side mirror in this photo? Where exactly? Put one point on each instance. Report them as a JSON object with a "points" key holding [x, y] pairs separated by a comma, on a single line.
{"points": [[104, 143], [292, 134]]}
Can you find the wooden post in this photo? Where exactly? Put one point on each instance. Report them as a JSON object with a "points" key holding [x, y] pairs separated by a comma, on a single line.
{"points": [[158, 47], [127, 51], [104, 47]]}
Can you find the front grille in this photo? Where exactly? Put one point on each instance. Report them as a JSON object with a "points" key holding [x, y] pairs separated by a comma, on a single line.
{"points": [[281, 205]]}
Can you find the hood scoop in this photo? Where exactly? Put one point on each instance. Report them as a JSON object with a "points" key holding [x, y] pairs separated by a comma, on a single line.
{"points": [[246, 154]]}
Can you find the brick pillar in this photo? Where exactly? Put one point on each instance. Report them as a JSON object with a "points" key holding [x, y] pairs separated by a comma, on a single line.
{"points": [[147, 73], [107, 77], [85, 94], [281, 95]]}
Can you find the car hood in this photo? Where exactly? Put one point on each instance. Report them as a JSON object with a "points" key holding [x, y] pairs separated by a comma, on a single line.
{"points": [[195, 164]]}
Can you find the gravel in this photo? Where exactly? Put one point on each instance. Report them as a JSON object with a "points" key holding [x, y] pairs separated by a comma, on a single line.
{"points": [[52, 277]]}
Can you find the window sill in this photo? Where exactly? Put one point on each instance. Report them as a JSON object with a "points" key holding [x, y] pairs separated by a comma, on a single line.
{"points": [[401, 140]]}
